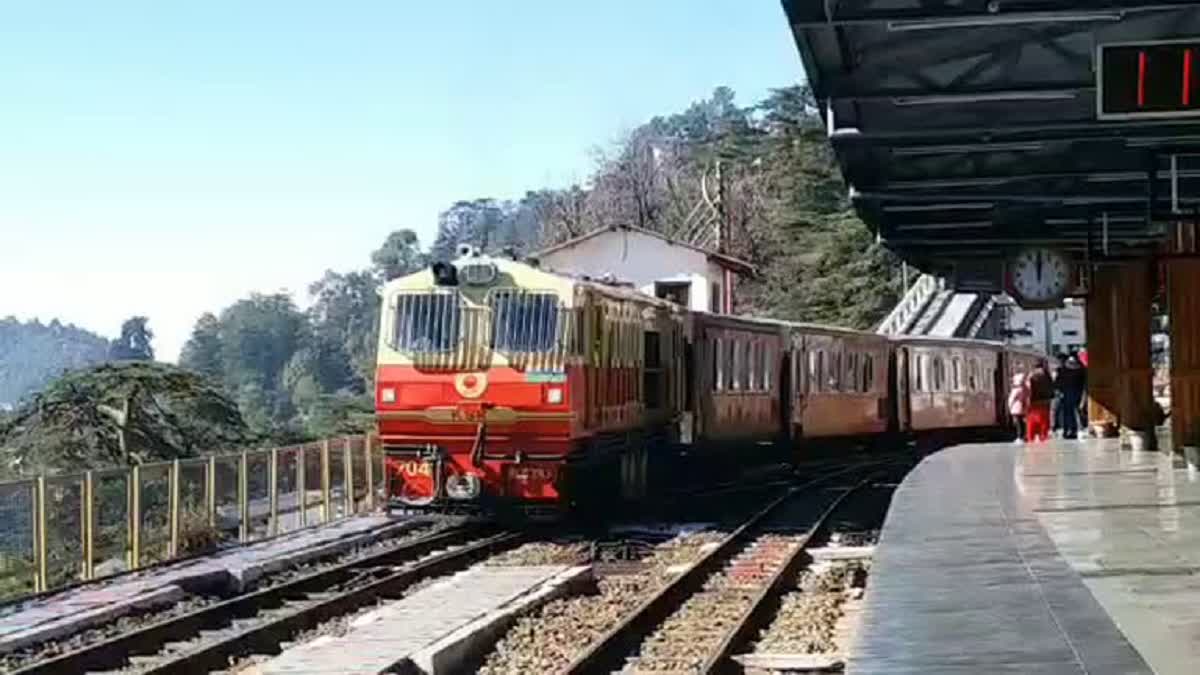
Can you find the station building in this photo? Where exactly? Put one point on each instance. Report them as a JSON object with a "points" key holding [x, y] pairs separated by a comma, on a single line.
{"points": [[690, 275]]}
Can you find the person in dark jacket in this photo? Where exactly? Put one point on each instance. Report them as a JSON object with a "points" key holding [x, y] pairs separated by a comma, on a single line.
{"points": [[1041, 394], [1056, 406], [1070, 385]]}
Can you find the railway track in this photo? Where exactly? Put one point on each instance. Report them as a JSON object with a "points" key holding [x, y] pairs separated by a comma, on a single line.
{"points": [[695, 623], [263, 621]]}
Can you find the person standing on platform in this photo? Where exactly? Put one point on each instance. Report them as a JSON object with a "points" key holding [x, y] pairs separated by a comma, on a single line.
{"points": [[1018, 405], [1070, 384], [1041, 395], [1056, 407], [1083, 406]]}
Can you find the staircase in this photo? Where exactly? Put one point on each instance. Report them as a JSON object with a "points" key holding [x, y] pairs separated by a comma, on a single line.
{"points": [[929, 308], [911, 306]]}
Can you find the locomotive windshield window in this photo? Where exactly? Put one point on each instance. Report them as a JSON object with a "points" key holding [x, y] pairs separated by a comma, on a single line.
{"points": [[428, 322], [524, 322]]}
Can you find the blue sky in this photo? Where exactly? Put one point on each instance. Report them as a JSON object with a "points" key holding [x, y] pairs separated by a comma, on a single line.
{"points": [[168, 158]]}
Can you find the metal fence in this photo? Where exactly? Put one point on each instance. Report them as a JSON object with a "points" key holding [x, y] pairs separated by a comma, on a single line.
{"points": [[56, 530]]}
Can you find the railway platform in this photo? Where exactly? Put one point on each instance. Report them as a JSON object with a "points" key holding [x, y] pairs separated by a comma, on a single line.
{"points": [[1062, 557], [74, 609], [435, 629]]}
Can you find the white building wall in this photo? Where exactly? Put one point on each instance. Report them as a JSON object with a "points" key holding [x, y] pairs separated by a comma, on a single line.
{"points": [[640, 260], [1065, 328]]}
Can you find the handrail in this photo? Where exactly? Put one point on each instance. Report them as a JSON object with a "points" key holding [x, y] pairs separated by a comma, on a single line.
{"points": [[982, 317], [68, 528], [913, 302]]}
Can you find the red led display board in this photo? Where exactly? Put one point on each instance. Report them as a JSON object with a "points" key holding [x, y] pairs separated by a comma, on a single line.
{"points": [[1148, 80]]}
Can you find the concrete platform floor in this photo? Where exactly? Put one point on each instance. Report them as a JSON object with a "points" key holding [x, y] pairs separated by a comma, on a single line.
{"points": [[1063, 557]]}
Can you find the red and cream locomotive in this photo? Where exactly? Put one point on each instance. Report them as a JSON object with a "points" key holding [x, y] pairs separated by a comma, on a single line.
{"points": [[499, 383]]}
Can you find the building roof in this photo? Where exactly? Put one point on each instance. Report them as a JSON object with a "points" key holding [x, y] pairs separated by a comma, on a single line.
{"points": [[722, 259], [968, 129]]}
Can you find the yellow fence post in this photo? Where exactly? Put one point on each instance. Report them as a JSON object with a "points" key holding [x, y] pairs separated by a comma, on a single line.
{"points": [[87, 518], [210, 490], [243, 497], [348, 475], [326, 515], [173, 489], [274, 491], [39, 507], [301, 485], [368, 473], [135, 517]]}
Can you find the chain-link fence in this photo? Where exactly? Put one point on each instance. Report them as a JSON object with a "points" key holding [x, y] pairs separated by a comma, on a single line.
{"points": [[57, 530]]}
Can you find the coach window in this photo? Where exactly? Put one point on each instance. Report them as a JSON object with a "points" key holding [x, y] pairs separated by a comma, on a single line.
{"points": [[751, 366], [850, 378], [868, 373], [652, 374], [939, 374], [718, 367], [973, 374], [956, 374], [735, 365], [814, 372], [747, 366], [768, 357], [818, 380]]}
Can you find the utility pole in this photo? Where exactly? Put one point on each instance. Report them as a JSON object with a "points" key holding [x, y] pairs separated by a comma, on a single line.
{"points": [[723, 238], [722, 213]]}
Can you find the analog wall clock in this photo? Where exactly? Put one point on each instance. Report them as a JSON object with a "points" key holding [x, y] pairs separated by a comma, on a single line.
{"points": [[1040, 276]]}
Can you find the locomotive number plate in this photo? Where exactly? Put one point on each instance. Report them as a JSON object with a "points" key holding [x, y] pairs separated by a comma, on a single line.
{"points": [[534, 474], [415, 469]]}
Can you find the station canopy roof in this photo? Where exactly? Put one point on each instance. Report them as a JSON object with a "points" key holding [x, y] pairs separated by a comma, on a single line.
{"points": [[970, 128]]}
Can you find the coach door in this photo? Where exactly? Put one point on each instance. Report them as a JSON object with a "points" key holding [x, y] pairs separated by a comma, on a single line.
{"points": [[900, 370]]}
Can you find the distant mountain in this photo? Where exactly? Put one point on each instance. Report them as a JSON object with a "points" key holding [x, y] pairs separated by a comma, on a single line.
{"points": [[33, 353]]}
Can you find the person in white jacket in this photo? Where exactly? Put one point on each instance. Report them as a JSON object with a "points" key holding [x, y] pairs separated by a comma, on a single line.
{"points": [[1018, 405]]}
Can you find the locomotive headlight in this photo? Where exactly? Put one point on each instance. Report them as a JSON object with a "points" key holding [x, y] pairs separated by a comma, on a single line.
{"points": [[554, 395], [387, 395]]}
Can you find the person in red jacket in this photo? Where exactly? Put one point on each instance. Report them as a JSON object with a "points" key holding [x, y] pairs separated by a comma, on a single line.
{"points": [[1041, 394]]}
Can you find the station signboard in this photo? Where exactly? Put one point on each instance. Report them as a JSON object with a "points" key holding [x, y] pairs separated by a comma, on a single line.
{"points": [[1148, 80]]}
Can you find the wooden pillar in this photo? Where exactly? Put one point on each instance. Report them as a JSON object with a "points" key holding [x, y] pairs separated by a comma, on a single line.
{"points": [[1102, 358], [1119, 371], [1183, 292]]}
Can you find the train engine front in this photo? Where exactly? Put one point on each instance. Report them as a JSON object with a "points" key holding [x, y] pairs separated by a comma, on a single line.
{"points": [[473, 400]]}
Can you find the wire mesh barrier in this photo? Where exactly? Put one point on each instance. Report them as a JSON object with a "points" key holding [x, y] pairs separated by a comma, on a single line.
{"points": [[61, 529]]}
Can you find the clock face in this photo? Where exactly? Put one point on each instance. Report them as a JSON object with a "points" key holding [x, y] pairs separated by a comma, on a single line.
{"points": [[1041, 275]]}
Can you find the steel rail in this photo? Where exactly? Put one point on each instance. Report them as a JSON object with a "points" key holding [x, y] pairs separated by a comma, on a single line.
{"points": [[606, 654], [751, 619], [149, 640], [268, 637]]}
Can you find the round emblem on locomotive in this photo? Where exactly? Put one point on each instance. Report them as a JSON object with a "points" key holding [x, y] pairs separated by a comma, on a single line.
{"points": [[471, 385]]}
